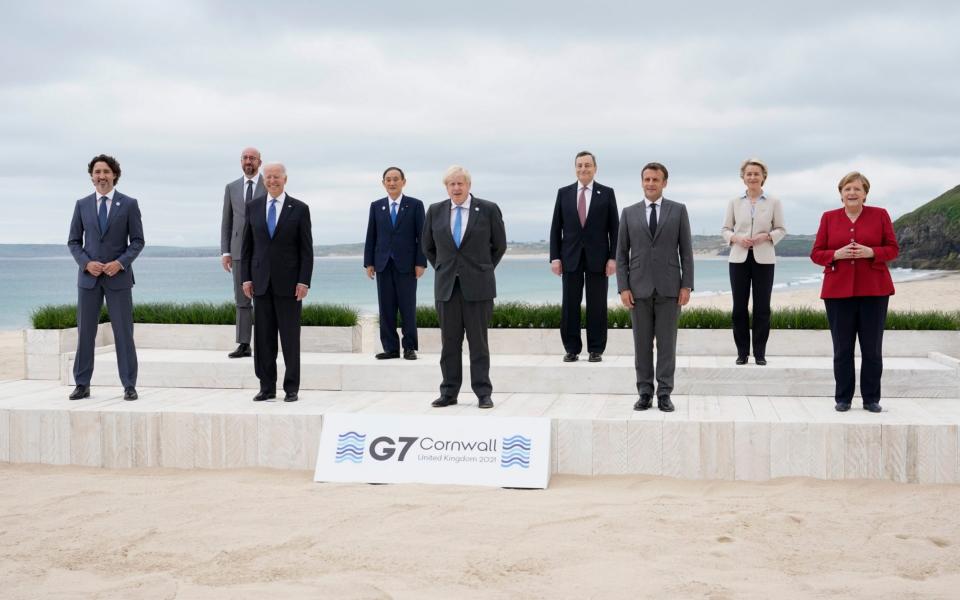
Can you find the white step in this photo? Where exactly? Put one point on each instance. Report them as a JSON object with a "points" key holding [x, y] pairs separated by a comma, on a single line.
{"points": [[907, 377]]}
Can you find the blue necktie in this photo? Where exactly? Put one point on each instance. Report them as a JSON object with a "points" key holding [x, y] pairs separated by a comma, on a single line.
{"points": [[272, 217], [393, 213], [102, 214], [458, 226]]}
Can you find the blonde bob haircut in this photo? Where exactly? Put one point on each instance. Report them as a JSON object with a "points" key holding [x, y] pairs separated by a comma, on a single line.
{"points": [[455, 170], [853, 176], [755, 162]]}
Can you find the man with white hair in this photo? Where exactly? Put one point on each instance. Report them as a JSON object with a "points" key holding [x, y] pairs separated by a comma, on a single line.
{"points": [[276, 268], [464, 239]]}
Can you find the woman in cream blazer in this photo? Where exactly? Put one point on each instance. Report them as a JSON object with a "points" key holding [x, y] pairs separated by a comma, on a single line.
{"points": [[752, 226]]}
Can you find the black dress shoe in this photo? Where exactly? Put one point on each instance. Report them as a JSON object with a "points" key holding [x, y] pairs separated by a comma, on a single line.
{"points": [[264, 396], [410, 354], [760, 361], [242, 351], [443, 401], [81, 391], [595, 357], [130, 393], [645, 402], [291, 397], [741, 360], [386, 355], [570, 357], [485, 402], [664, 404], [842, 406], [873, 407]]}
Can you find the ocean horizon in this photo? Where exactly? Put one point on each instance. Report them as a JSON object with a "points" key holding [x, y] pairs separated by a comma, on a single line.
{"points": [[34, 282]]}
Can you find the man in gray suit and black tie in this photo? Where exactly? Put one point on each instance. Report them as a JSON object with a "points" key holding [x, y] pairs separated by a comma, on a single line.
{"points": [[106, 236], [464, 239], [654, 278], [235, 197]]}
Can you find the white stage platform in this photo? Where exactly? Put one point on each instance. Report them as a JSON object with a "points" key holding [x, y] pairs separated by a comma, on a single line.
{"points": [[731, 436]]}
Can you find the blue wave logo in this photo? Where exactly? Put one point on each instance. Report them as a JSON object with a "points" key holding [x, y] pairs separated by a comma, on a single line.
{"points": [[516, 452], [350, 447]]}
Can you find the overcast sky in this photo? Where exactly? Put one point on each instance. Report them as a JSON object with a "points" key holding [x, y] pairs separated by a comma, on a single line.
{"points": [[510, 90]]}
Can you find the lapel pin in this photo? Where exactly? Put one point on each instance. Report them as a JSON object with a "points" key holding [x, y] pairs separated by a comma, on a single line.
{"points": [[477, 209], [383, 208]]}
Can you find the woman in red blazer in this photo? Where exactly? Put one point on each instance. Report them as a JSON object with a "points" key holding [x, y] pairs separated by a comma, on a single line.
{"points": [[854, 244]]}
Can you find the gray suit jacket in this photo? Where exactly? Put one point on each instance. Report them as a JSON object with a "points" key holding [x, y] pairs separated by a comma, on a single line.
{"points": [[231, 225], [663, 263], [481, 248], [122, 241]]}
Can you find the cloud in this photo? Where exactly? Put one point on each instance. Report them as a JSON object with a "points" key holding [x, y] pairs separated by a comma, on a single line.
{"points": [[510, 90]]}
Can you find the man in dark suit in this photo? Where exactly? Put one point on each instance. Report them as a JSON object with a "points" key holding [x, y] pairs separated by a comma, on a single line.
{"points": [[583, 243], [106, 236], [393, 255], [655, 278], [236, 194], [464, 239], [277, 265]]}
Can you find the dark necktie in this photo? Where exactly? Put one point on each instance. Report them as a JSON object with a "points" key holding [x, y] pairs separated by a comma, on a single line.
{"points": [[102, 214], [249, 196], [393, 213], [653, 220]]}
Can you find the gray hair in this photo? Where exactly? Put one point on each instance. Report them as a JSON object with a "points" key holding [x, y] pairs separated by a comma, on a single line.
{"points": [[283, 169], [455, 170], [757, 163]]}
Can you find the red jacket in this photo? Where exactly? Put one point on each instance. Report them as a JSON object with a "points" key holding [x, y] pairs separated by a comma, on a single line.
{"points": [[862, 276]]}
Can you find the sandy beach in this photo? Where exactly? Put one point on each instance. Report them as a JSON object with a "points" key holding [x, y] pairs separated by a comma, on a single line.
{"points": [[937, 292], [70, 532]]}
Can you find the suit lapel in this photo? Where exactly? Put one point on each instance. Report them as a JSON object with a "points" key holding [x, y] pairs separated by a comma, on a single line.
{"points": [[595, 199], [118, 204], [664, 214], [284, 214], [471, 220], [401, 210]]}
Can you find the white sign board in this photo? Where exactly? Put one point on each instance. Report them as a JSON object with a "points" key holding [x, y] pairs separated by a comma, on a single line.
{"points": [[495, 451]]}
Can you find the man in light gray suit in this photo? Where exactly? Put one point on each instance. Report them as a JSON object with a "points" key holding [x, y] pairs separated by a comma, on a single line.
{"points": [[235, 197], [654, 278], [106, 236]]}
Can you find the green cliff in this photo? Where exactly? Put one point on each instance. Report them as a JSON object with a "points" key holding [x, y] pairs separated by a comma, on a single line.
{"points": [[929, 237]]}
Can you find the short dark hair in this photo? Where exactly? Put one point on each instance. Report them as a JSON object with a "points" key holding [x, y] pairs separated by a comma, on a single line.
{"points": [[585, 153], [655, 166], [388, 169], [111, 162]]}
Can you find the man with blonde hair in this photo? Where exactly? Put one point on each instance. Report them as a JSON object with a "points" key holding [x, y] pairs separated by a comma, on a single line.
{"points": [[464, 239]]}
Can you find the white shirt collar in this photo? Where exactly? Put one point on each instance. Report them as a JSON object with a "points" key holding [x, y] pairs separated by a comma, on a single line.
{"points": [[649, 202], [465, 205], [391, 200], [589, 186], [763, 195], [255, 179], [109, 195], [280, 198]]}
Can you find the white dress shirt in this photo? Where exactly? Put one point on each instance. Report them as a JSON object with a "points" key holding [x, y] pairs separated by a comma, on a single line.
{"points": [[280, 201], [648, 203], [109, 200], [391, 202], [587, 195], [463, 217]]}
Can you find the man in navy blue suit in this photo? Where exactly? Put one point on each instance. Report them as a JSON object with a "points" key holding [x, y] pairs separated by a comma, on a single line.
{"points": [[106, 236], [583, 249], [392, 254], [276, 267]]}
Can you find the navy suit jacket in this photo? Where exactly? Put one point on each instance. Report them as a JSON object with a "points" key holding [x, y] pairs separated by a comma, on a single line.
{"points": [[481, 248], [283, 261], [598, 236], [401, 243], [122, 241]]}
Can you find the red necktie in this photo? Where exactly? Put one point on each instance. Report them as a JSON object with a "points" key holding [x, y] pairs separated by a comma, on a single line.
{"points": [[582, 206]]}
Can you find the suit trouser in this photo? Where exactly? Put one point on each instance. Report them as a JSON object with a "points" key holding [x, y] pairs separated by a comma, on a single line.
{"points": [[456, 316], [276, 315], [861, 317], [396, 290], [655, 318], [741, 277], [244, 307], [120, 309], [573, 284]]}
